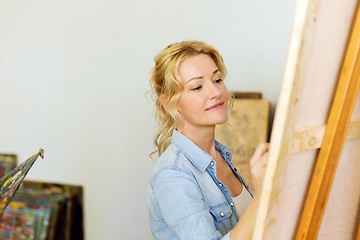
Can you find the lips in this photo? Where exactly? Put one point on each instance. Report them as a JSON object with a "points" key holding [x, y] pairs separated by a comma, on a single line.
{"points": [[215, 106]]}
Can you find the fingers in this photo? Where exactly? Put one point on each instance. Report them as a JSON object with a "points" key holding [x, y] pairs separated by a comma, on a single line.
{"points": [[258, 165], [262, 149]]}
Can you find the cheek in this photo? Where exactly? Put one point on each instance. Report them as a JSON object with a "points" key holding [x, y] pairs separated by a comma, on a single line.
{"points": [[226, 96], [190, 104], [182, 104], [225, 91]]}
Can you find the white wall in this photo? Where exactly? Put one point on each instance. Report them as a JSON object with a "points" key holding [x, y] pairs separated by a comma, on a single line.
{"points": [[73, 76]]}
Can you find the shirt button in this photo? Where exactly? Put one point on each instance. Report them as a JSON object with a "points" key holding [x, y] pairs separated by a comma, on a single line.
{"points": [[212, 163], [222, 214], [220, 185], [232, 204], [227, 154]]}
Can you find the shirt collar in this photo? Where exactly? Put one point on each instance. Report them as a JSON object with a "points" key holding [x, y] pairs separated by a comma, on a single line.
{"points": [[224, 151], [198, 157]]}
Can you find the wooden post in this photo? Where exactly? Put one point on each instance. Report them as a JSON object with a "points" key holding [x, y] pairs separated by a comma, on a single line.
{"points": [[297, 57], [335, 134]]}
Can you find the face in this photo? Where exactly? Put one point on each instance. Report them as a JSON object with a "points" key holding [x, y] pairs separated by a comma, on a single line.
{"points": [[205, 98]]}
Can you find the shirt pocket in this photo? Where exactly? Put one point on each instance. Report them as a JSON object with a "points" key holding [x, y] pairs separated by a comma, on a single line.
{"points": [[221, 214]]}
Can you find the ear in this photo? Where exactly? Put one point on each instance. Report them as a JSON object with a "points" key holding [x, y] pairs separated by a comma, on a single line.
{"points": [[164, 101]]}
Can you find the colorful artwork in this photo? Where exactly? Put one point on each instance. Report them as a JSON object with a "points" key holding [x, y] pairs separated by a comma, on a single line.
{"points": [[68, 223], [7, 163], [42, 211], [39, 210], [24, 221], [11, 181], [37, 200]]}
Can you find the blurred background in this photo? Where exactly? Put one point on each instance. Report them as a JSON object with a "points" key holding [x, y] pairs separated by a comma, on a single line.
{"points": [[73, 78]]}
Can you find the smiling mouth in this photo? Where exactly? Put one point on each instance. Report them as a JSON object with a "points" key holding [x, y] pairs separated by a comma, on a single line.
{"points": [[215, 106]]}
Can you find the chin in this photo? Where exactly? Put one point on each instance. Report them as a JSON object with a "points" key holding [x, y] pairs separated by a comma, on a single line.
{"points": [[221, 121]]}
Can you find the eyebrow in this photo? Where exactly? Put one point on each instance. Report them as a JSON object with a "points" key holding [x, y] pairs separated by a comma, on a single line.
{"points": [[200, 77]]}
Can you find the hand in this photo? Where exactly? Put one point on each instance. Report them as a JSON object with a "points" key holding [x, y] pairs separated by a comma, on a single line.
{"points": [[258, 165]]}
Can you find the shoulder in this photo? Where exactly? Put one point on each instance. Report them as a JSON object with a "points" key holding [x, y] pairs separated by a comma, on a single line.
{"points": [[171, 162]]}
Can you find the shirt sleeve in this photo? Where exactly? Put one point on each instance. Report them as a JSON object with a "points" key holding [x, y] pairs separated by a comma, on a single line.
{"points": [[182, 206]]}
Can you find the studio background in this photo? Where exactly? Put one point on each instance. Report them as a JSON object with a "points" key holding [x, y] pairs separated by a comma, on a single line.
{"points": [[73, 77]]}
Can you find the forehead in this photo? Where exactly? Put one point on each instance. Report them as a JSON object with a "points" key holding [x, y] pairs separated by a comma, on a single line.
{"points": [[196, 66]]}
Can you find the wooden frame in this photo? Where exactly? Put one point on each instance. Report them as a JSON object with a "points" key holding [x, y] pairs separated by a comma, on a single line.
{"points": [[332, 145], [318, 42]]}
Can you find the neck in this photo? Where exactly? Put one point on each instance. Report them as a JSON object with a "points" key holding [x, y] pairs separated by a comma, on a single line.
{"points": [[203, 137]]}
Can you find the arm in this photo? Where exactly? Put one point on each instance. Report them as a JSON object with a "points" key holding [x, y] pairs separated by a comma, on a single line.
{"points": [[245, 225]]}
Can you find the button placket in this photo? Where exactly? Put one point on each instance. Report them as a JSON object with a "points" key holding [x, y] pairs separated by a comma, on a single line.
{"points": [[221, 186]]}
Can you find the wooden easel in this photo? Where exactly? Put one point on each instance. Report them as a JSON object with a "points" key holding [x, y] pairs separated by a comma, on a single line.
{"points": [[310, 193]]}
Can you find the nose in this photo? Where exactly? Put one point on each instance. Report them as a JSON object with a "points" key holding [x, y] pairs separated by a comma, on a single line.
{"points": [[214, 91]]}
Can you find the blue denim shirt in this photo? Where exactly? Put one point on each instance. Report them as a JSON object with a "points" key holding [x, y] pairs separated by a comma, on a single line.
{"points": [[186, 200]]}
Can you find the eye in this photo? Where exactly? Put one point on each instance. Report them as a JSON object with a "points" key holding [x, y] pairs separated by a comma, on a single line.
{"points": [[196, 88], [218, 80]]}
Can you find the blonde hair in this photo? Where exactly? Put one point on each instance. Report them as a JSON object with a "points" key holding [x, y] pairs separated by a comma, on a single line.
{"points": [[165, 81]]}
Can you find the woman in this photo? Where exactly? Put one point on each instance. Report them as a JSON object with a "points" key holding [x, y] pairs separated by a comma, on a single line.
{"points": [[195, 188]]}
